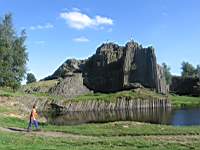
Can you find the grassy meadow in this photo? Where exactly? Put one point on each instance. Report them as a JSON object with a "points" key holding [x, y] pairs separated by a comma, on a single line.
{"points": [[114, 135]]}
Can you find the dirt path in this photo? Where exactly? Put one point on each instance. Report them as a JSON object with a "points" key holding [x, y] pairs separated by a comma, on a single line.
{"points": [[180, 138], [44, 133]]}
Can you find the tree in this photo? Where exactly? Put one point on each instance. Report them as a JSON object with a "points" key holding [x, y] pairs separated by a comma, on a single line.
{"points": [[168, 76], [188, 70], [30, 78], [13, 55], [198, 71]]}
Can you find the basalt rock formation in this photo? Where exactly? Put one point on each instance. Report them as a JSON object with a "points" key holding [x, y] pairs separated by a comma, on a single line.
{"points": [[70, 87], [121, 103], [115, 68]]}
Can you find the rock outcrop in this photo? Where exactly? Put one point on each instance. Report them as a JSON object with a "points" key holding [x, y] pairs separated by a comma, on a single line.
{"points": [[185, 86], [70, 86], [114, 68], [69, 67], [121, 103]]}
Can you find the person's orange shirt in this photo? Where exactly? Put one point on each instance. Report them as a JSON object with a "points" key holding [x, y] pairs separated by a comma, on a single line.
{"points": [[34, 114]]}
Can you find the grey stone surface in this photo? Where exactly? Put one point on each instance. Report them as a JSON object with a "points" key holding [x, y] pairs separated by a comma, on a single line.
{"points": [[122, 103], [70, 86], [69, 67], [162, 87], [114, 68], [104, 70]]}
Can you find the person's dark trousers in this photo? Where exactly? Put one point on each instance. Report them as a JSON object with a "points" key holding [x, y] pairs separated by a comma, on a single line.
{"points": [[35, 122]]}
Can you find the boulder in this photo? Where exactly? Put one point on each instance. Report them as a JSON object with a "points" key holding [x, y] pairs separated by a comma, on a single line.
{"points": [[70, 86]]}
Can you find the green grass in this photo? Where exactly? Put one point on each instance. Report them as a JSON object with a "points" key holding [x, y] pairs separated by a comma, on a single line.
{"points": [[101, 136], [184, 101], [3, 109], [142, 94], [40, 84], [7, 92], [115, 135], [177, 101], [105, 136], [26, 142], [107, 129]]}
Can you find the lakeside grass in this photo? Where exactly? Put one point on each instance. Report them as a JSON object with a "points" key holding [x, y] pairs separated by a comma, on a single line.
{"points": [[184, 101], [26, 142], [121, 128], [142, 94], [114, 135]]}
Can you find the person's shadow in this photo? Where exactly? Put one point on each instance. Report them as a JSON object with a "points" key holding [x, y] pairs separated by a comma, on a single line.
{"points": [[17, 129]]}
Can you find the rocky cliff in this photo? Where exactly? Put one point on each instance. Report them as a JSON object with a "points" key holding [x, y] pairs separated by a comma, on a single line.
{"points": [[114, 68]]}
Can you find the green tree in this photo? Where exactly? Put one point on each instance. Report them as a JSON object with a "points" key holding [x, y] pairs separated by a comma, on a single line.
{"points": [[30, 78], [188, 70], [13, 55], [167, 73], [198, 71]]}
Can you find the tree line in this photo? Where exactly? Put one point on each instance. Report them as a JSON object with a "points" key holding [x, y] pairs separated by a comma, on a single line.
{"points": [[187, 70]]}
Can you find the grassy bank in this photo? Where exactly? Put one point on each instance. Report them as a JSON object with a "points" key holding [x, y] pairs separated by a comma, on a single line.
{"points": [[184, 101], [125, 128], [142, 94], [28, 141], [7, 92], [115, 135], [177, 101]]}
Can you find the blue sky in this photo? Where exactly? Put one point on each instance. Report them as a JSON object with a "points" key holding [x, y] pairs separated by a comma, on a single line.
{"points": [[63, 29]]}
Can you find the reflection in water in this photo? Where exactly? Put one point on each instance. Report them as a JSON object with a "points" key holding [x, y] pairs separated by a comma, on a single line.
{"points": [[178, 117], [185, 117], [160, 116]]}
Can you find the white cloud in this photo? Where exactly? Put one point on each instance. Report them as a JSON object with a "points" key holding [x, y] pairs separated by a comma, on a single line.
{"points": [[78, 20], [81, 39], [103, 20], [45, 26]]}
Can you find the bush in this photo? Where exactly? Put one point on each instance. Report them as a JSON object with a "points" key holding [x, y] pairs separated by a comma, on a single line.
{"points": [[30, 78]]}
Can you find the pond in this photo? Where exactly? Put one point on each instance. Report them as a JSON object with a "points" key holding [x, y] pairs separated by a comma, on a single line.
{"points": [[175, 117]]}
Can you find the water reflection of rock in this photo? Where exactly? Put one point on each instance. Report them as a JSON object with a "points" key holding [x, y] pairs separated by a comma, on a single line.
{"points": [[156, 115]]}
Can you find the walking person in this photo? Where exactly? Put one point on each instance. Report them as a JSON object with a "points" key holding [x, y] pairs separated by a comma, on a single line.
{"points": [[32, 119]]}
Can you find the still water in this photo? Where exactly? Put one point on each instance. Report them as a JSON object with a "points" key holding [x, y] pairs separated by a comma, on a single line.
{"points": [[176, 117]]}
